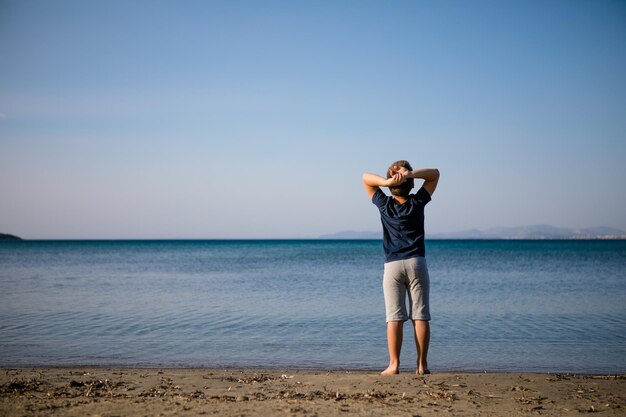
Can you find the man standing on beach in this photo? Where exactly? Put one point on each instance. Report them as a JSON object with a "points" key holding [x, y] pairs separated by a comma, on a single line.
{"points": [[402, 217]]}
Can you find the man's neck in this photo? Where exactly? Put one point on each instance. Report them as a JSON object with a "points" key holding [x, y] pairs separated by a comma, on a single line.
{"points": [[399, 200]]}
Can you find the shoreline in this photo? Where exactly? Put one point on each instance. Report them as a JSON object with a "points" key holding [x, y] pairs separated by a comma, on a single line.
{"points": [[104, 390], [305, 369]]}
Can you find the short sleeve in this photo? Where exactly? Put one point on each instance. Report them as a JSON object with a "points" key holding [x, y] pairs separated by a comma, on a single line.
{"points": [[422, 196], [379, 199]]}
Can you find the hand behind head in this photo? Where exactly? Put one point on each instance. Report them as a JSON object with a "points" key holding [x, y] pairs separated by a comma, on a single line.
{"points": [[397, 179]]}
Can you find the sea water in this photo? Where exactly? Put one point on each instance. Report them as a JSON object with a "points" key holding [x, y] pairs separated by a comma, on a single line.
{"points": [[549, 306]]}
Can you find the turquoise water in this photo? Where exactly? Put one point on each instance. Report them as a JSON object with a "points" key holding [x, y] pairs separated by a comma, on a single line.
{"points": [[557, 306]]}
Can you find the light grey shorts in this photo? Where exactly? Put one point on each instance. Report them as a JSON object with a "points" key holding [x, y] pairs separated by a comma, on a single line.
{"points": [[400, 277]]}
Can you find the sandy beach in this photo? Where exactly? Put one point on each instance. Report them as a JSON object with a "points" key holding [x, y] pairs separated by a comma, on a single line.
{"points": [[228, 392]]}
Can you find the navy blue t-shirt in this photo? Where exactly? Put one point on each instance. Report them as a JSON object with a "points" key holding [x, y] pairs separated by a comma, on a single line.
{"points": [[403, 224]]}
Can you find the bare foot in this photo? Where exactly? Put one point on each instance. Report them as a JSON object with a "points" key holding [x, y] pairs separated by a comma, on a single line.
{"points": [[423, 372], [391, 370]]}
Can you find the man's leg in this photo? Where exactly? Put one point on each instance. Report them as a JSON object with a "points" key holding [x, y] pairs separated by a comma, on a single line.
{"points": [[422, 340], [394, 343]]}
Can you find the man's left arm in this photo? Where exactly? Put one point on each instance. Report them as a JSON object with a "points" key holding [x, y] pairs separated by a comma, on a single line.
{"points": [[373, 182]]}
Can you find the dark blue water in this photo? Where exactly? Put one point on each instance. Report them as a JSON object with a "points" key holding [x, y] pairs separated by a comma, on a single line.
{"points": [[557, 306]]}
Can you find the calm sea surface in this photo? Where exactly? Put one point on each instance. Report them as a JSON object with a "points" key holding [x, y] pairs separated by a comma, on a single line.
{"points": [[557, 306]]}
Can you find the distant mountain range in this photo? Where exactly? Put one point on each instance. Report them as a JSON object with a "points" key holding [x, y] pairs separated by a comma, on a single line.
{"points": [[6, 236], [533, 232], [538, 231]]}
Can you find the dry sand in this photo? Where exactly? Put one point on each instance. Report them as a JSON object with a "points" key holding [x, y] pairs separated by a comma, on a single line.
{"points": [[227, 392]]}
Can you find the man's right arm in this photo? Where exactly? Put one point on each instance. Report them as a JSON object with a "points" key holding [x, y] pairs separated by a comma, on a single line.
{"points": [[429, 175]]}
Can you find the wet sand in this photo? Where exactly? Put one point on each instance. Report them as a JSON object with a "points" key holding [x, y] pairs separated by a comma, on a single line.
{"points": [[89, 391]]}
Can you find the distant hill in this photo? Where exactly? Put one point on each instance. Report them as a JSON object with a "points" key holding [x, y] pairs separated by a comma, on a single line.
{"points": [[538, 231], [351, 234], [5, 236]]}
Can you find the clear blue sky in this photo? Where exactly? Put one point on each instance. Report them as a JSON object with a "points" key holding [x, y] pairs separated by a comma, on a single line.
{"points": [[252, 119]]}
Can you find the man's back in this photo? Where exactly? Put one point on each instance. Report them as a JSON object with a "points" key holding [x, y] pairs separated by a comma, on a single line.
{"points": [[403, 224]]}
